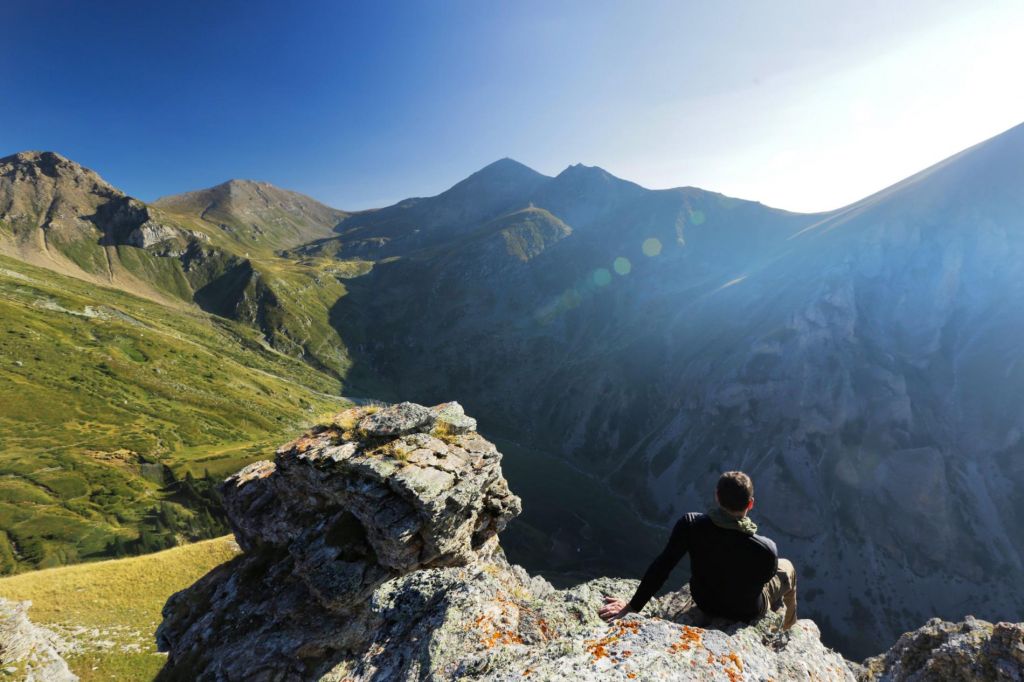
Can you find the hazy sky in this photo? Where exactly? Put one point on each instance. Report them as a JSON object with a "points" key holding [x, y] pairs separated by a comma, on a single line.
{"points": [[800, 105]]}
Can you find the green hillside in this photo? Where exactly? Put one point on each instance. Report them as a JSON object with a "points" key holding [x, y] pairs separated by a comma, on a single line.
{"points": [[215, 248], [110, 610], [115, 407]]}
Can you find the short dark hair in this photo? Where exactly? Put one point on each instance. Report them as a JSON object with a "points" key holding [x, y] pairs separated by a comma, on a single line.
{"points": [[735, 490]]}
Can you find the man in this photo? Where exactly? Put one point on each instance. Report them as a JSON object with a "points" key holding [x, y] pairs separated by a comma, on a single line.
{"points": [[735, 573]]}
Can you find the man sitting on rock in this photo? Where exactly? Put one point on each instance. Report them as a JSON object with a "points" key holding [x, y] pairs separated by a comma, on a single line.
{"points": [[735, 573]]}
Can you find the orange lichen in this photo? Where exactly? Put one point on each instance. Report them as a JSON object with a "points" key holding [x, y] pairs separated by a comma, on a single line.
{"points": [[732, 666], [598, 648], [689, 637], [545, 630], [492, 634]]}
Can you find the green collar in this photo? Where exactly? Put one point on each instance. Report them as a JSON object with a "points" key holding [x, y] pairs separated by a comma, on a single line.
{"points": [[724, 519]]}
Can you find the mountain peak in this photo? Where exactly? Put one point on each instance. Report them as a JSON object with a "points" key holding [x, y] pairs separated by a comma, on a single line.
{"points": [[243, 183], [33, 156], [505, 179], [257, 212], [579, 170], [30, 164], [504, 169], [506, 164]]}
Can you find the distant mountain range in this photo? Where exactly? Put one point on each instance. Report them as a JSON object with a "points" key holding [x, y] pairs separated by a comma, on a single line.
{"points": [[862, 364]]}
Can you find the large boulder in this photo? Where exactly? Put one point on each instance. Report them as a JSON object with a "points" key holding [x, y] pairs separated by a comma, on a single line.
{"points": [[371, 495]]}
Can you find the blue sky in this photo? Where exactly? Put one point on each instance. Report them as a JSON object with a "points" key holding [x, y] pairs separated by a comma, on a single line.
{"points": [[801, 105]]}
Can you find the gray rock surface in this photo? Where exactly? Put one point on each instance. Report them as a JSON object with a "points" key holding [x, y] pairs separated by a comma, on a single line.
{"points": [[173, 240], [969, 651], [371, 557], [453, 418], [27, 651], [396, 420]]}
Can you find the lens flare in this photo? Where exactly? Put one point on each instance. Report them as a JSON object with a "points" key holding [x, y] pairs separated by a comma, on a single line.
{"points": [[602, 277], [651, 247], [622, 265]]}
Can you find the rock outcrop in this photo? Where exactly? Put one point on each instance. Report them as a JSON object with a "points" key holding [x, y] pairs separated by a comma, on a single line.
{"points": [[174, 240], [27, 651], [371, 553], [952, 652]]}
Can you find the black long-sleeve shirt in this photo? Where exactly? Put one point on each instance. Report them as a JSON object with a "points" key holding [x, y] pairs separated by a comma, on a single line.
{"points": [[728, 568]]}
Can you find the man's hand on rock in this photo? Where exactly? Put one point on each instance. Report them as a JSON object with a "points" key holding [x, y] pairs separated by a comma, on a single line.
{"points": [[614, 608]]}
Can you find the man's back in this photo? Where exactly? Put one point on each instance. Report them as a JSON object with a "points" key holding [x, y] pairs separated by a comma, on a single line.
{"points": [[735, 573], [729, 567]]}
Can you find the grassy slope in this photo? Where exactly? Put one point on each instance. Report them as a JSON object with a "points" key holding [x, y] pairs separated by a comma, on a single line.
{"points": [[121, 600], [290, 307], [100, 389], [305, 290]]}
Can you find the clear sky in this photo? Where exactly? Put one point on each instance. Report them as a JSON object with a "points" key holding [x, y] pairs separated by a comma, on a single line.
{"points": [[802, 105]]}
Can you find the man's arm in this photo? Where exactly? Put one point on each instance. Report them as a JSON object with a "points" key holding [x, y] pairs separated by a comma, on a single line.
{"points": [[658, 572], [771, 565], [655, 576]]}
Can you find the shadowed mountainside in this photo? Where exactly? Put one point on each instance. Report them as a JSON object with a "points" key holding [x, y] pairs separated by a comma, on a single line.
{"points": [[860, 364]]}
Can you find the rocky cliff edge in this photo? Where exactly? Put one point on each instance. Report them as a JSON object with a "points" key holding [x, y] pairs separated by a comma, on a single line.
{"points": [[371, 553]]}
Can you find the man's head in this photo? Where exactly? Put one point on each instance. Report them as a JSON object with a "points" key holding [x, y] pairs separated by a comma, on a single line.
{"points": [[735, 492]]}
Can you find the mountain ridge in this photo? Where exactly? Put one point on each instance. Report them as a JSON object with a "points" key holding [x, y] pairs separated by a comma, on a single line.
{"points": [[507, 162]]}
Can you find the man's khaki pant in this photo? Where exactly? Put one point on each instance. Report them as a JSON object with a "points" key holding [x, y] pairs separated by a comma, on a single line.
{"points": [[781, 591]]}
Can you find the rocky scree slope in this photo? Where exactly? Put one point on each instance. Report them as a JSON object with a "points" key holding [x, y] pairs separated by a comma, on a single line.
{"points": [[61, 215], [371, 553]]}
